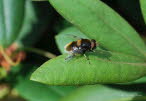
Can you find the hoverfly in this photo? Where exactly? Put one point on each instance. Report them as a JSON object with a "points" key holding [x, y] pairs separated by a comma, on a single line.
{"points": [[80, 47]]}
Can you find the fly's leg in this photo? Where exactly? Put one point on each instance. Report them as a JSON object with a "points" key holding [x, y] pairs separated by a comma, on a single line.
{"points": [[69, 57], [86, 58]]}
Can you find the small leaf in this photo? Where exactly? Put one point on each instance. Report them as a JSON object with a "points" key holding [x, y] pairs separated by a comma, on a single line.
{"points": [[98, 21], [143, 8], [104, 67], [104, 93], [12, 20]]}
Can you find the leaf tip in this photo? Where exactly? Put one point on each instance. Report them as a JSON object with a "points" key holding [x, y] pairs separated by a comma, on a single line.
{"points": [[32, 77]]}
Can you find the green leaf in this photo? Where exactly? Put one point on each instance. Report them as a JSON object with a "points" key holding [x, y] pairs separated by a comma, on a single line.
{"points": [[98, 21], [104, 67], [13, 20], [104, 93], [143, 8]]}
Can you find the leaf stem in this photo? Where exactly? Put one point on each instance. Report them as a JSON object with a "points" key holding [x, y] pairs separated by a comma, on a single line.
{"points": [[38, 51]]}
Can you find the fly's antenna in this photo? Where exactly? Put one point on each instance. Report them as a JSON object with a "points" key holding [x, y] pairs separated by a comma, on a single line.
{"points": [[69, 57]]}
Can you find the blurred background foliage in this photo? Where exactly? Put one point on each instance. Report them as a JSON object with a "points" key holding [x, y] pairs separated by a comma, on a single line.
{"points": [[35, 24]]}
